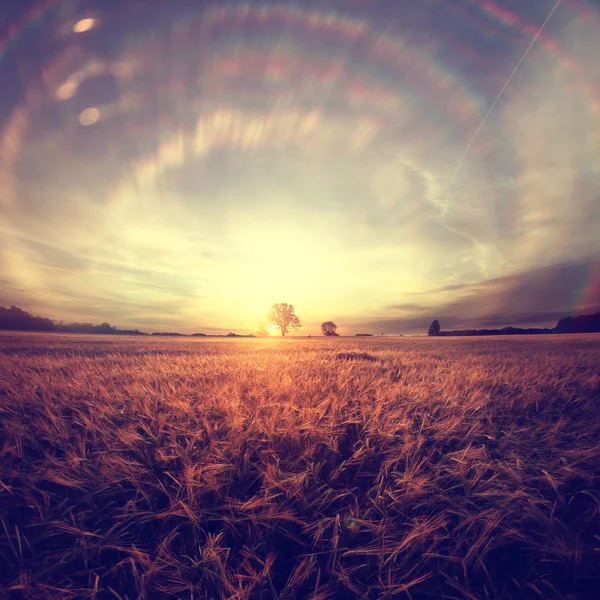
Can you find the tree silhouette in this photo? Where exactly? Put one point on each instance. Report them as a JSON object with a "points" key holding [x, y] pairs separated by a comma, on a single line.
{"points": [[328, 328], [434, 328], [284, 316], [15, 318]]}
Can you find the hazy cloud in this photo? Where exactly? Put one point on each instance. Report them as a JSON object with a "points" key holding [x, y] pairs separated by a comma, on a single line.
{"points": [[537, 297]]}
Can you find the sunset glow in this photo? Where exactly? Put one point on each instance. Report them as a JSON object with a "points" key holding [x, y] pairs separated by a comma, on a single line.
{"points": [[294, 153], [300, 299]]}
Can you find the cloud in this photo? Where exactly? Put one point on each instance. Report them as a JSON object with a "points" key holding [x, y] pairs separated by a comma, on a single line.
{"points": [[54, 256], [537, 297], [311, 165]]}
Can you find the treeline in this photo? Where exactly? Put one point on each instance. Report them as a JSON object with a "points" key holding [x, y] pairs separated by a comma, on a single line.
{"points": [[578, 324], [103, 328], [503, 331], [16, 319]]}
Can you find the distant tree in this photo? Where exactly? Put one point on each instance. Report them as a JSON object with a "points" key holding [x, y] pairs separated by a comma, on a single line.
{"points": [[106, 328], [579, 324], [284, 316], [329, 328], [434, 328]]}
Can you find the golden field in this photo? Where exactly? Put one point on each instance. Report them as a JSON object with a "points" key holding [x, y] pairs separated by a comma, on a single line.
{"points": [[300, 468]]}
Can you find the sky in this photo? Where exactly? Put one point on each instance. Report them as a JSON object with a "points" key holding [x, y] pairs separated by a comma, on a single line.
{"points": [[184, 165]]}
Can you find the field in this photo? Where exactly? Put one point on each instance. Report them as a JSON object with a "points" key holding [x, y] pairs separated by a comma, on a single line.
{"points": [[253, 469]]}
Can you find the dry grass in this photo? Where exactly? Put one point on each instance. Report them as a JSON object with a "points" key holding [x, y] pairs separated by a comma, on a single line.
{"points": [[143, 468]]}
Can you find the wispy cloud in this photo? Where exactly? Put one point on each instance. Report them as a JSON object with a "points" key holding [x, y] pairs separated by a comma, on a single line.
{"points": [[537, 297], [307, 160]]}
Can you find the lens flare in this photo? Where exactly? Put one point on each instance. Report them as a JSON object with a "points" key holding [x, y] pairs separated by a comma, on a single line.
{"points": [[89, 116], [66, 91], [84, 25]]}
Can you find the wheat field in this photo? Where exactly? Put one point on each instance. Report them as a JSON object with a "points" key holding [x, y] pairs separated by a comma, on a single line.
{"points": [[137, 468]]}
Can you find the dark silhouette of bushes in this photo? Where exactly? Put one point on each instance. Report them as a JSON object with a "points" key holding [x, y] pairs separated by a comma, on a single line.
{"points": [[103, 329], [503, 331], [16, 319], [167, 334], [579, 324]]}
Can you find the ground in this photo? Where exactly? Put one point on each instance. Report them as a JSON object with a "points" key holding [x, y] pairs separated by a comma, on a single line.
{"points": [[323, 468]]}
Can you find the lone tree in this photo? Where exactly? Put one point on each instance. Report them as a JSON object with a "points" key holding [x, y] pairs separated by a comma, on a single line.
{"points": [[434, 328], [283, 316], [328, 328]]}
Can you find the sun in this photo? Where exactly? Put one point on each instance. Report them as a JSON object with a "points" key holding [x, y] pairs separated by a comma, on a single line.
{"points": [[273, 329]]}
